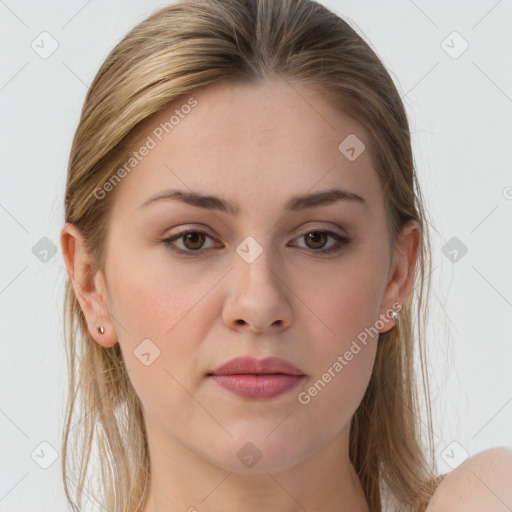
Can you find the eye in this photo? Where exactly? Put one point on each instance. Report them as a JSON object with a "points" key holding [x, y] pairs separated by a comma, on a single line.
{"points": [[317, 239], [193, 241]]}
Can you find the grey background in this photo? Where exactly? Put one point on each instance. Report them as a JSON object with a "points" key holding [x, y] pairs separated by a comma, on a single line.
{"points": [[460, 111]]}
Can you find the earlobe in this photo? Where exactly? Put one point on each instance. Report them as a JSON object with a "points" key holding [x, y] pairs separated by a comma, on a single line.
{"points": [[88, 284]]}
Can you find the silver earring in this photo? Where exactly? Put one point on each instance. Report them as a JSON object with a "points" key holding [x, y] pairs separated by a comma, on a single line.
{"points": [[394, 315], [101, 329]]}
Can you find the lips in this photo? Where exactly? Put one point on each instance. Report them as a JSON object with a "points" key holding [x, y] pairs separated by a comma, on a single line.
{"points": [[252, 378], [250, 365]]}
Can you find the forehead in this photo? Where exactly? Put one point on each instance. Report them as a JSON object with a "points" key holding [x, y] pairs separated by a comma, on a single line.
{"points": [[247, 143]]}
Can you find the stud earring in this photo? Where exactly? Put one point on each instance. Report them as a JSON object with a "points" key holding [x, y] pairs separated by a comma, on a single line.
{"points": [[394, 315], [101, 329]]}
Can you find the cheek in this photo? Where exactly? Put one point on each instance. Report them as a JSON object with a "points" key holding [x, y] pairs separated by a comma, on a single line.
{"points": [[161, 316], [343, 358], [345, 345], [150, 295], [347, 304], [159, 338], [335, 392]]}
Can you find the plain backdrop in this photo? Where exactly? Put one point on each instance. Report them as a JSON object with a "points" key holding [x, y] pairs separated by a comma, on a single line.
{"points": [[450, 62]]}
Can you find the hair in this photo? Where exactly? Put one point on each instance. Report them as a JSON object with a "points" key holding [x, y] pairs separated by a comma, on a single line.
{"points": [[179, 48]]}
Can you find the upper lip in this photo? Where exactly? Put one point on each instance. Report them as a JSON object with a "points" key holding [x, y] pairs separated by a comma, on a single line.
{"points": [[247, 364]]}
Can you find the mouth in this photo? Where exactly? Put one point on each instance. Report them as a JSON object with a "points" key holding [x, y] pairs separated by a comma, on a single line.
{"points": [[257, 386], [253, 378]]}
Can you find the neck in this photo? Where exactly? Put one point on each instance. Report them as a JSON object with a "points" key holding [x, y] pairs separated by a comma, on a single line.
{"points": [[183, 481]]}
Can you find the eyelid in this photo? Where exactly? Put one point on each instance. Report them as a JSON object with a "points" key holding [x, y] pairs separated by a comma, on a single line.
{"points": [[332, 228]]}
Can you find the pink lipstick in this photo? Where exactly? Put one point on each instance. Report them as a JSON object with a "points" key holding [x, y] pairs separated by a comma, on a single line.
{"points": [[249, 377]]}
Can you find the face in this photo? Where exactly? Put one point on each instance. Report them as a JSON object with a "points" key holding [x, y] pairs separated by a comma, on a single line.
{"points": [[264, 280]]}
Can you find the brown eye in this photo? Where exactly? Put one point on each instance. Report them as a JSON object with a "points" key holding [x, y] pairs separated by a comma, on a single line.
{"points": [[193, 240], [316, 239]]}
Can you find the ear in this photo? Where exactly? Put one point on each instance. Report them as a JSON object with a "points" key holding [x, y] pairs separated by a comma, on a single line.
{"points": [[89, 285], [401, 273]]}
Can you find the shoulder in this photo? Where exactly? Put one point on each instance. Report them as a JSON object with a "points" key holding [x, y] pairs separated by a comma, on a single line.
{"points": [[482, 482]]}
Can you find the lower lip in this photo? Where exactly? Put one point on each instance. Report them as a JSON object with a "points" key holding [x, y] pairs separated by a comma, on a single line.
{"points": [[257, 386]]}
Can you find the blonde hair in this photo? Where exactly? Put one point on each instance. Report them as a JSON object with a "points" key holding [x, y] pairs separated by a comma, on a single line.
{"points": [[190, 44]]}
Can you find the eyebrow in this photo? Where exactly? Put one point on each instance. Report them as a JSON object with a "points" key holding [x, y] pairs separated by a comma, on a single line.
{"points": [[294, 204]]}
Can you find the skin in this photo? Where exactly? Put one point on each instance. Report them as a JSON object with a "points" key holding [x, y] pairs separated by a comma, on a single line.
{"points": [[256, 145], [482, 482]]}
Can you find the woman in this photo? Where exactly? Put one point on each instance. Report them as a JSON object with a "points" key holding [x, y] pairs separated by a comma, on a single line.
{"points": [[246, 244]]}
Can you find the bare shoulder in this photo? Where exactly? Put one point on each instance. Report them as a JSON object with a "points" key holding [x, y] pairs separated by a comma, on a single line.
{"points": [[482, 482]]}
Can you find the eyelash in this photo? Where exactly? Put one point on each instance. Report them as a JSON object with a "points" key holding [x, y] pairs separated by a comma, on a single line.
{"points": [[342, 242]]}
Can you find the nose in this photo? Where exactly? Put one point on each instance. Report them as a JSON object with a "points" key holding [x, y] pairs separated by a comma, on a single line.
{"points": [[259, 297]]}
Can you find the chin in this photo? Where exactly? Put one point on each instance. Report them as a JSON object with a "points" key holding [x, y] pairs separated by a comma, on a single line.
{"points": [[260, 455]]}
